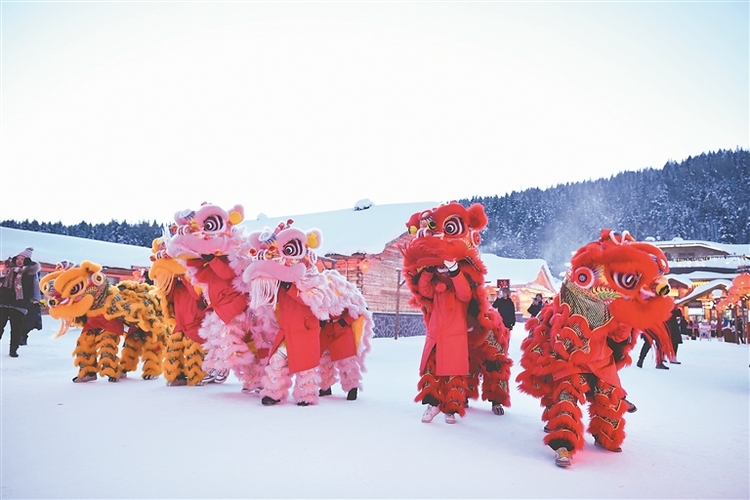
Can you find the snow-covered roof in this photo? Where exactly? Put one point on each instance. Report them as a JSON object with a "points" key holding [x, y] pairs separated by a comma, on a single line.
{"points": [[704, 289], [730, 249], [702, 276], [52, 248], [346, 232], [518, 271], [680, 278]]}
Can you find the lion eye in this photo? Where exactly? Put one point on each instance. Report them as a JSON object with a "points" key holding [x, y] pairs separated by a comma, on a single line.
{"points": [[627, 281], [453, 225], [76, 288], [213, 223], [293, 248]]}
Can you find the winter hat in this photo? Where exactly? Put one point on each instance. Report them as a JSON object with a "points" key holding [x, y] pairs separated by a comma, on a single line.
{"points": [[26, 253]]}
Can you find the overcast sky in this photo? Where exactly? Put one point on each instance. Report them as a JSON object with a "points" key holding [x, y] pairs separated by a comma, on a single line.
{"points": [[124, 110]]}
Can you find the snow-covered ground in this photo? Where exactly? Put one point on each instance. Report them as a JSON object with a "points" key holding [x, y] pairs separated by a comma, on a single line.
{"points": [[141, 439]]}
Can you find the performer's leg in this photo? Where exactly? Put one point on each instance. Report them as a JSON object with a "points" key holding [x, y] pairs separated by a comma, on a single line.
{"points": [[327, 374], [607, 408], [194, 355], [495, 366], [351, 376], [427, 386], [276, 381], [564, 415], [109, 362], [306, 387], [131, 353], [453, 390], [152, 357], [174, 360], [644, 350], [85, 357]]}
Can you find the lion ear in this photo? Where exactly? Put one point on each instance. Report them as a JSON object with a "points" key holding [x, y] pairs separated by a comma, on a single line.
{"points": [[236, 215], [90, 267], [477, 217], [314, 238]]}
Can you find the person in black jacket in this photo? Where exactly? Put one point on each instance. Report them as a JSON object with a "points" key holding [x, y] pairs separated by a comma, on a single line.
{"points": [[19, 291], [535, 306], [677, 328], [506, 308]]}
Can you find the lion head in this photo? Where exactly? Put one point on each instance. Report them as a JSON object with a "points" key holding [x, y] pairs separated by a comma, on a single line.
{"points": [[284, 253], [448, 232], [75, 291], [622, 277], [210, 230]]}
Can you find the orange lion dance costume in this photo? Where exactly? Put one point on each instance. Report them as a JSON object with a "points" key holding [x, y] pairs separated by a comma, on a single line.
{"points": [[466, 339], [614, 290]]}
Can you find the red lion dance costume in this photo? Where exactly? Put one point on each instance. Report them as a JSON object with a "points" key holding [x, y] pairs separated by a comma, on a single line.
{"points": [[466, 338], [614, 290]]}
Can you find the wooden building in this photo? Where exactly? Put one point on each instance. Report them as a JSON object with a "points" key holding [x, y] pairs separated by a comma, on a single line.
{"points": [[701, 273]]}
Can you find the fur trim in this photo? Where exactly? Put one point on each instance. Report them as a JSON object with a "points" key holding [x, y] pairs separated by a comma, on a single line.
{"points": [[306, 387], [276, 381]]}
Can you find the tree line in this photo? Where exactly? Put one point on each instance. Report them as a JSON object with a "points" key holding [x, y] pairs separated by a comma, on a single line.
{"points": [[139, 234], [704, 197]]}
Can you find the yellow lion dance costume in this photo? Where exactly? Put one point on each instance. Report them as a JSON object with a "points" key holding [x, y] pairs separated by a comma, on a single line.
{"points": [[186, 309], [83, 297]]}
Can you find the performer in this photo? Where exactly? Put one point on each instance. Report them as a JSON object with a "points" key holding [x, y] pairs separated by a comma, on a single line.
{"points": [[466, 339], [615, 290], [209, 242], [282, 257], [186, 308], [324, 328]]}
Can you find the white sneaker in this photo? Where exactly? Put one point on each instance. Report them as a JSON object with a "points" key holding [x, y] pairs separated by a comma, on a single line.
{"points": [[450, 418], [221, 376], [430, 413], [562, 457]]}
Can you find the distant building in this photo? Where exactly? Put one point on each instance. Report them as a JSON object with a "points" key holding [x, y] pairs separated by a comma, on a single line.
{"points": [[700, 274]]}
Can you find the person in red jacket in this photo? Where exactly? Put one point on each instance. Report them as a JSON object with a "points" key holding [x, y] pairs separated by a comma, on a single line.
{"points": [[445, 357], [466, 343]]}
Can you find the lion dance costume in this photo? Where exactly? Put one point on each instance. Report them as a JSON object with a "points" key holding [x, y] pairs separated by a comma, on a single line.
{"points": [[186, 309], [614, 290], [82, 296], [210, 245], [322, 326], [466, 339]]}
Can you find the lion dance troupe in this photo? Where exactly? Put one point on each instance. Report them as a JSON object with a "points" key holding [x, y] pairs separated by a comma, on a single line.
{"points": [[259, 306]]}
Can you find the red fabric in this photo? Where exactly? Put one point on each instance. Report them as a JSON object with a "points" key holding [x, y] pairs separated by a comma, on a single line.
{"points": [[109, 325], [299, 327], [446, 323], [338, 338], [224, 299], [189, 310]]}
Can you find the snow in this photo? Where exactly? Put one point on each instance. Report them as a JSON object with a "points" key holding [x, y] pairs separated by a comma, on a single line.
{"points": [[351, 231], [142, 439], [53, 248]]}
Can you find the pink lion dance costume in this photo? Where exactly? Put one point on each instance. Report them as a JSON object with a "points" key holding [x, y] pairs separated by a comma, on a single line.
{"points": [[213, 250], [323, 327], [614, 290], [466, 339]]}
